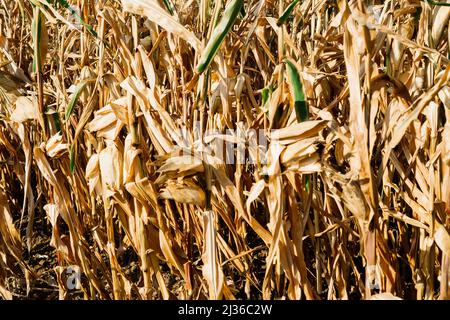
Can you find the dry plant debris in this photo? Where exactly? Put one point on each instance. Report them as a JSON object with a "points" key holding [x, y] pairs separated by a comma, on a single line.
{"points": [[234, 149]]}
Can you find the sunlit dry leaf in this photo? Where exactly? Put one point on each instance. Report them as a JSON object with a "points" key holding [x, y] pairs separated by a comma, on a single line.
{"points": [[26, 109], [155, 13]]}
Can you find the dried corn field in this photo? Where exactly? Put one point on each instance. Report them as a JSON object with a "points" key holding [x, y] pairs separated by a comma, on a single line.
{"points": [[217, 149]]}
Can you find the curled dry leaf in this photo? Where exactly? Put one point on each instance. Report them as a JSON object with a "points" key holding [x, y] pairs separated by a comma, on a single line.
{"points": [[55, 146], [106, 123], [184, 192]]}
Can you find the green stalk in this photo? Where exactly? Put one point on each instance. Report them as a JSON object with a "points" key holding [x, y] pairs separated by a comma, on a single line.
{"points": [[301, 108], [302, 113]]}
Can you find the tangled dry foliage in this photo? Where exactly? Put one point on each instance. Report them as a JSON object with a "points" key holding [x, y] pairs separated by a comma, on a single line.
{"points": [[105, 169]]}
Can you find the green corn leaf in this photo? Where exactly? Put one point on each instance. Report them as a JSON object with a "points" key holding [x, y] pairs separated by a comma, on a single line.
{"points": [[265, 95], [218, 35], [437, 3], [301, 108], [57, 121], [72, 159], [168, 6], [73, 101], [243, 13], [40, 39], [287, 12]]}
